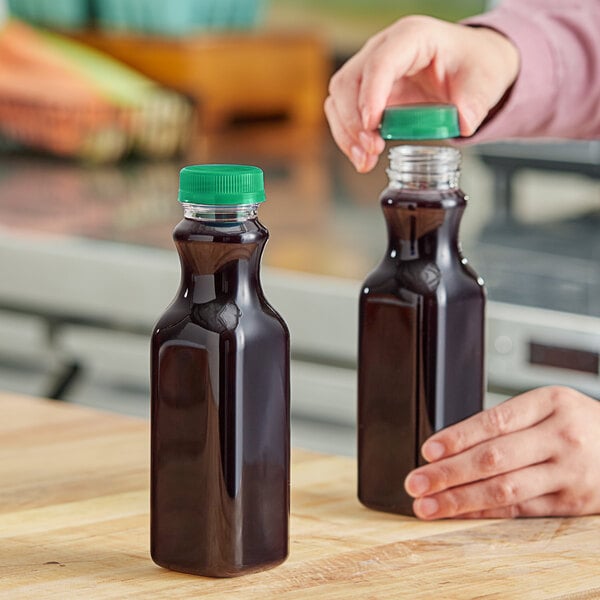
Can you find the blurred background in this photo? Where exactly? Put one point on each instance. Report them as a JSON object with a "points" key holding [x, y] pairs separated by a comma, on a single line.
{"points": [[103, 101]]}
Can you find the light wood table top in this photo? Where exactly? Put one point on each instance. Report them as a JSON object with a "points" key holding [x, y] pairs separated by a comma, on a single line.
{"points": [[74, 524]]}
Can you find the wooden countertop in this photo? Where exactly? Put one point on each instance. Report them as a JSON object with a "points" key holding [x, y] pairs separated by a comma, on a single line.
{"points": [[74, 524]]}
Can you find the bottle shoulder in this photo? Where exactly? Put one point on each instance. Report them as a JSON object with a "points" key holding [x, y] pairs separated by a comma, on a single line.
{"points": [[186, 320], [190, 230], [424, 278], [425, 198]]}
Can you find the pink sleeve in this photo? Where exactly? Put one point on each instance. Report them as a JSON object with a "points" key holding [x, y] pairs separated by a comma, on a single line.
{"points": [[557, 92]]}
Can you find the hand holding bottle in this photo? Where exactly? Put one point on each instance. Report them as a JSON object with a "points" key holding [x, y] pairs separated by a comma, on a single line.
{"points": [[417, 59], [533, 455]]}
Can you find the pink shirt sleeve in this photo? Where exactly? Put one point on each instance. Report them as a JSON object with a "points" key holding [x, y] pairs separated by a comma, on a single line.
{"points": [[557, 92]]}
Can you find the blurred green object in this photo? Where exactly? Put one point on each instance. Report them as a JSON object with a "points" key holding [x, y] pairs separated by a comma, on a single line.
{"points": [[186, 17], [347, 24], [179, 17], [386, 11], [117, 82], [63, 14], [158, 120]]}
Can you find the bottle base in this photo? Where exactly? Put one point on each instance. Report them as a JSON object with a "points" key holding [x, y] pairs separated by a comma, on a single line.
{"points": [[219, 571], [396, 509]]}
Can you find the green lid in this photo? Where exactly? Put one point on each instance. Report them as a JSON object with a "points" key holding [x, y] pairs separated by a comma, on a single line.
{"points": [[420, 122], [221, 184]]}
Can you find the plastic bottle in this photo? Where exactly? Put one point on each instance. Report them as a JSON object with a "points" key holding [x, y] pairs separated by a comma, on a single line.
{"points": [[421, 323], [220, 390]]}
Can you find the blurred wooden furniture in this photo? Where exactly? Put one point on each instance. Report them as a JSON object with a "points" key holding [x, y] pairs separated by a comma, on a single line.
{"points": [[232, 75], [74, 523]]}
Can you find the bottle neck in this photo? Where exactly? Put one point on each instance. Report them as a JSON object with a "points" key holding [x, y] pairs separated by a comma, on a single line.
{"points": [[220, 248], [424, 168], [234, 213]]}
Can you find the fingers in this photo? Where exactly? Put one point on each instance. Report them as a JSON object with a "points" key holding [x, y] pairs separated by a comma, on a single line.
{"points": [[509, 495], [357, 145], [516, 414], [417, 59], [400, 51], [362, 88], [346, 141], [361, 147], [533, 455], [341, 108], [489, 459]]}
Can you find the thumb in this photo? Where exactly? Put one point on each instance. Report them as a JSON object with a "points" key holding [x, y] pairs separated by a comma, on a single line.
{"points": [[473, 106]]}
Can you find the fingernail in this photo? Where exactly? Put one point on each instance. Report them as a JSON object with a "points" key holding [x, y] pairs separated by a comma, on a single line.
{"points": [[427, 506], [358, 156], [417, 484], [433, 450]]}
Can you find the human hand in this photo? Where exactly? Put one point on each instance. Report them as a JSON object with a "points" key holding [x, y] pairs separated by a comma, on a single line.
{"points": [[417, 59], [534, 455]]}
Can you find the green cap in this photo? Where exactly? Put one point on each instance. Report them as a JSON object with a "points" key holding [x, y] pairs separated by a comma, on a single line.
{"points": [[420, 122], [221, 184]]}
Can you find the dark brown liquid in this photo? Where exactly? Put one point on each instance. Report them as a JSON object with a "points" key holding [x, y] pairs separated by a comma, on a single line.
{"points": [[220, 411], [421, 336]]}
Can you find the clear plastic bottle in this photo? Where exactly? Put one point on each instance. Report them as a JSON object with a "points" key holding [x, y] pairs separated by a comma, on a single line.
{"points": [[421, 324], [220, 390]]}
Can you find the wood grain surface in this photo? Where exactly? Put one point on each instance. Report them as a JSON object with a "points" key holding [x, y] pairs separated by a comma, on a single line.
{"points": [[74, 524]]}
